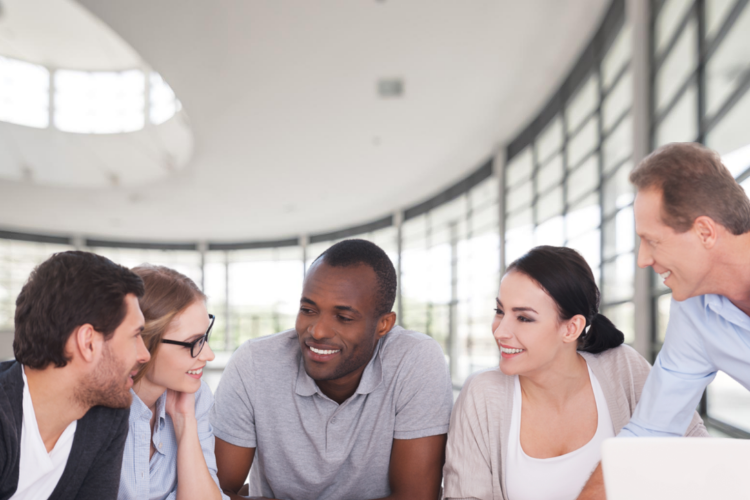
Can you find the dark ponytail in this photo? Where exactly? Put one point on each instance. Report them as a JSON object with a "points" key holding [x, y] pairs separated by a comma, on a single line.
{"points": [[602, 335], [567, 278]]}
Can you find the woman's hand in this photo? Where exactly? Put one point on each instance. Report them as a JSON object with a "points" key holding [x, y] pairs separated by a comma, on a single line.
{"points": [[181, 407]]}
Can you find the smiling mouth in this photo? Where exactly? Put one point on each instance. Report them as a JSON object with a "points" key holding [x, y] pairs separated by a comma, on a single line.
{"points": [[196, 372], [323, 351], [665, 275], [508, 350]]}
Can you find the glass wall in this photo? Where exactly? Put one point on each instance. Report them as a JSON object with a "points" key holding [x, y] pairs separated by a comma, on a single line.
{"points": [[564, 182], [450, 270], [701, 80], [17, 260], [569, 184]]}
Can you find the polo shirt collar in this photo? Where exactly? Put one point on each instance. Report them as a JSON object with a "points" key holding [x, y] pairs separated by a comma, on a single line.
{"points": [[724, 308], [372, 377]]}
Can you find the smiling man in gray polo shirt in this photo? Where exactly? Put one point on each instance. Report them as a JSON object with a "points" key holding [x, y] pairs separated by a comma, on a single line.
{"points": [[346, 405]]}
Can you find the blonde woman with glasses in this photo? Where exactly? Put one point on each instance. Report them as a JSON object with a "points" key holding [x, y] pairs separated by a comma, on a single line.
{"points": [[169, 452]]}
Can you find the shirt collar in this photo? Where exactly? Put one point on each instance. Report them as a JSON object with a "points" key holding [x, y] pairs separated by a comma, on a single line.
{"points": [[730, 312], [372, 377], [139, 410]]}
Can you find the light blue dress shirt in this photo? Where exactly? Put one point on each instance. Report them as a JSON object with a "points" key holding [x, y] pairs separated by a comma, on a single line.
{"points": [[156, 479], [705, 334]]}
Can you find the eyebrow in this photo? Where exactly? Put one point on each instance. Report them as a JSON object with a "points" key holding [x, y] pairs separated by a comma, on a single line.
{"points": [[516, 309], [305, 300]]}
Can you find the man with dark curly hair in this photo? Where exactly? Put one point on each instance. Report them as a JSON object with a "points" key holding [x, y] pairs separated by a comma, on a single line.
{"points": [[65, 399]]}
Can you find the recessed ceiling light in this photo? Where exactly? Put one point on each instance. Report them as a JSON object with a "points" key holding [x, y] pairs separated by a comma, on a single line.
{"points": [[390, 87]]}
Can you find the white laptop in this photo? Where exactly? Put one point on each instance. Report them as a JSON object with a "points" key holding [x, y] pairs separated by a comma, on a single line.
{"points": [[679, 468]]}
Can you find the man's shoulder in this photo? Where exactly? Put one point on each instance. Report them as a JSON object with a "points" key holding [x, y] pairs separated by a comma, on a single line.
{"points": [[103, 420], [278, 345], [701, 310], [408, 343], [11, 381], [277, 353]]}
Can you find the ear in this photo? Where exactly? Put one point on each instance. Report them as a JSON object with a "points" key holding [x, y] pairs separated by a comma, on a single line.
{"points": [[707, 231], [385, 324], [574, 328], [85, 343]]}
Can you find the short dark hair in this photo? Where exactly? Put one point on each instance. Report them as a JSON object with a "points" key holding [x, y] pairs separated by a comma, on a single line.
{"points": [[567, 278], [353, 252], [693, 182], [66, 291]]}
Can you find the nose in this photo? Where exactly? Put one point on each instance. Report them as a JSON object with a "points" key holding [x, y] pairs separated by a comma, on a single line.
{"points": [[645, 258], [319, 330], [207, 354], [143, 354], [500, 330]]}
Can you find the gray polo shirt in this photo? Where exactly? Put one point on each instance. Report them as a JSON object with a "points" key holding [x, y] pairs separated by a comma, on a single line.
{"points": [[309, 447]]}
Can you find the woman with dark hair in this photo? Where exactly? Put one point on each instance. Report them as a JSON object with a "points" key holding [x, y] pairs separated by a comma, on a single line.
{"points": [[533, 427], [170, 437]]}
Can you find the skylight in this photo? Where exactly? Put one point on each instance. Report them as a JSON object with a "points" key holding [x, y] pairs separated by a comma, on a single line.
{"points": [[86, 102], [24, 93]]}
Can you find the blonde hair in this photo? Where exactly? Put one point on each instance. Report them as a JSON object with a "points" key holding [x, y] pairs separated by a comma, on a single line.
{"points": [[167, 294]]}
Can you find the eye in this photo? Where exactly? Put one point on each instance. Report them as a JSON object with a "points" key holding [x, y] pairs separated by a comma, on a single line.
{"points": [[344, 319], [305, 310], [524, 319], [499, 311]]}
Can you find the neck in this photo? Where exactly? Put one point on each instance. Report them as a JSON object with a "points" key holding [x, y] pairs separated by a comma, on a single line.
{"points": [[343, 388], [556, 383], [730, 276], [148, 392], [53, 397]]}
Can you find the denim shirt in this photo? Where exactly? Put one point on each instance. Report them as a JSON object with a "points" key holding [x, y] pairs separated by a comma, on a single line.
{"points": [[156, 479]]}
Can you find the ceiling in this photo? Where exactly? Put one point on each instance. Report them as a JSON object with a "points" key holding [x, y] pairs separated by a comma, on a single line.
{"points": [[290, 136]]}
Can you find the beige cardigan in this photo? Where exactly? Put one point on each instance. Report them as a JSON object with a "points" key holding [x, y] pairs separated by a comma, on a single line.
{"points": [[480, 423]]}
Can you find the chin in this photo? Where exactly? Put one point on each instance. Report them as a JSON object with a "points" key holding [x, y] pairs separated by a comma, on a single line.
{"points": [[508, 370]]}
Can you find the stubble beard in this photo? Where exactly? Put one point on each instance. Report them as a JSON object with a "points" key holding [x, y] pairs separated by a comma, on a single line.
{"points": [[357, 360], [106, 386]]}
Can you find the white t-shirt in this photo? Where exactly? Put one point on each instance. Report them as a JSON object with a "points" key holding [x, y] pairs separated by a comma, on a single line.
{"points": [[557, 478], [39, 471]]}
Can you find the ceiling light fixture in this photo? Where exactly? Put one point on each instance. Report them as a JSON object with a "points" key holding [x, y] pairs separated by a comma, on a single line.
{"points": [[390, 87]]}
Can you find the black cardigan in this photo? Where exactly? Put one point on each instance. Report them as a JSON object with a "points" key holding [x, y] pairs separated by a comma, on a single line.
{"points": [[93, 467]]}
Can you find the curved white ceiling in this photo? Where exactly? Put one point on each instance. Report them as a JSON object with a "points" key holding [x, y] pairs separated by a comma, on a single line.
{"points": [[290, 135], [79, 108]]}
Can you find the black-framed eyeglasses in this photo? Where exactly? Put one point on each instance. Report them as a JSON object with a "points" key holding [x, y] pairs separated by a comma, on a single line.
{"points": [[196, 346]]}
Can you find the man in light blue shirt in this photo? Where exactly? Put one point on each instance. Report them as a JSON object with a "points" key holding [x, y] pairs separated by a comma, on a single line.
{"points": [[693, 220]]}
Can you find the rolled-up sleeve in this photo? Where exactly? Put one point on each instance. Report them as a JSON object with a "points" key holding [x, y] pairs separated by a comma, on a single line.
{"points": [[677, 380]]}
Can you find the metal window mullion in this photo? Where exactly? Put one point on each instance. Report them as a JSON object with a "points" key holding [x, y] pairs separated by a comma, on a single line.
{"points": [[534, 186], [619, 76], [564, 180], [599, 149], [700, 12], [660, 58], [662, 115], [711, 46], [732, 100]]}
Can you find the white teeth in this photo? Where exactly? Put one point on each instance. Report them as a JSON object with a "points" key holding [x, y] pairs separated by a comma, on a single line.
{"points": [[665, 275], [510, 351], [322, 351], [195, 372]]}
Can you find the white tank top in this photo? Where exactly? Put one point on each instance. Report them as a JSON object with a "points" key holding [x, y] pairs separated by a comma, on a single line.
{"points": [[557, 478]]}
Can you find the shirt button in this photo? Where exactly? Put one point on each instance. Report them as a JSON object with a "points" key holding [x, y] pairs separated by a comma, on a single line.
{"points": [[333, 420], [159, 445]]}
